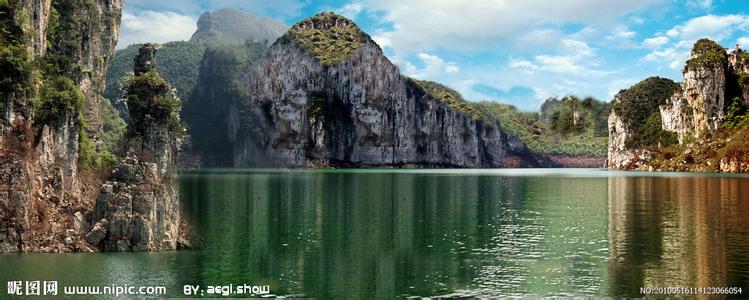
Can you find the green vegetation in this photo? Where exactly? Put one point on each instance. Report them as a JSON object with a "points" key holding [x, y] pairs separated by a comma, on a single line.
{"points": [[570, 126], [706, 53], [638, 105], [218, 89], [743, 80], [70, 21], [59, 97], [88, 157], [178, 62], [737, 116], [149, 103], [114, 130], [548, 131], [451, 98], [16, 70], [328, 37]]}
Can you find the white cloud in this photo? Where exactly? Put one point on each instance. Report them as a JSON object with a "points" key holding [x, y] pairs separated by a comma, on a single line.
{"points": [[523, 65], [683, 37], [433, 66], [743, 42], [673, 56], [575, 58], [559, 64], [703, 4], [655, 42], [156, 27], [711, 26], [351, 10], [577, 49], [444, 23], [620, 84]]}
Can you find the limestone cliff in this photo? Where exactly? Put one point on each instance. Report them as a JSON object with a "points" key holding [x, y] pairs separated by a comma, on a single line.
{"points": [[324, 94], [137, 208], [698, 106], [708, 112], [54, 56], [635, 122]]}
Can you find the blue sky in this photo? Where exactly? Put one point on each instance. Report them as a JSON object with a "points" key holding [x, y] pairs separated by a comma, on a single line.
{"points": [[517, 52]]}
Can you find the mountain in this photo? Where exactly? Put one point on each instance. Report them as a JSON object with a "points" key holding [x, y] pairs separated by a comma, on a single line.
{"points": [[230, 26], [212, 108], [698, 125], [324, 94], [570, 131], [180, 61]]}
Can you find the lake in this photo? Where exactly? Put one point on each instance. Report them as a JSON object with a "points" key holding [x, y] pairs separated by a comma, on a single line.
{"points": [[401, 233]]}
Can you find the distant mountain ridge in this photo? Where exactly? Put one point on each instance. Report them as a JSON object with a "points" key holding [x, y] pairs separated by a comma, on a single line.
{"points": [[232, 26]]}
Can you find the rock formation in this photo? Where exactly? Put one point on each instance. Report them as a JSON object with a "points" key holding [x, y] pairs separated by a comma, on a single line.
{"points": [[137, 208], [43, 193], [698, 106], [708, 113], [324, 94], [235, 27], [635, 122]]}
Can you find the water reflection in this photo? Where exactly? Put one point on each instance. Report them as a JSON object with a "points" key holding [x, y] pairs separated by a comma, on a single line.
{"points": [[678, 232], [388, 235]]}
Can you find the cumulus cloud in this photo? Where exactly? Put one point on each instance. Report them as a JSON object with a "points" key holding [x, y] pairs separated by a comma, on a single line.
{"points": [[655, 42], [433, 66], [703, 4], [443, 23], [743, 42], [156, 27], [710, 26], [683, 36], [351, 10], [575, 58]]}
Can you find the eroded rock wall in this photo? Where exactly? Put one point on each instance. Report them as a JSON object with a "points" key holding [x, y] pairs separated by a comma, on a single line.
{"points": [[358, 111]]}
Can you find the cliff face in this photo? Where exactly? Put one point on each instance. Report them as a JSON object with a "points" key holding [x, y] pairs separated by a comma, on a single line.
{"points": [[635, 122], [698, 107], [44, 198], [325, 95], [137, 208], [708, 112], [212, 112]]}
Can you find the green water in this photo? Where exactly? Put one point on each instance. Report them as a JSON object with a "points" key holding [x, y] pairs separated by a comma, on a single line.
{"points": [[388, 233]]}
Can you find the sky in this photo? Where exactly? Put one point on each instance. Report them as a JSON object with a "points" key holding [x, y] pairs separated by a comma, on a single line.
{"points": [[511, 51]]}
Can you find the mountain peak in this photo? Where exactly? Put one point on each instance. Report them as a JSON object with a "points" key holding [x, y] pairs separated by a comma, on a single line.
{"points": [[232, 26], [327, 36]]}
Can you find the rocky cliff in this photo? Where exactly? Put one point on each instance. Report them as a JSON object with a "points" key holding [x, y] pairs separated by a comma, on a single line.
{"points": [[708, 112], [54, 56], [635, 122], [324, 94], [212, 112], [138, 208], [698, 106]]}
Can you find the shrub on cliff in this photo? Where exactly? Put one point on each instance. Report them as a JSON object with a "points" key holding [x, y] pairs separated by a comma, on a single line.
{"points": [[638, 106], [150, 103], [449, 97], [59, 97], [328, 37], [706, 52]]}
